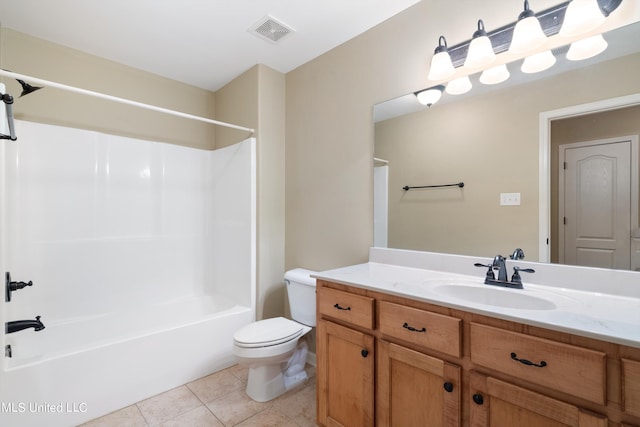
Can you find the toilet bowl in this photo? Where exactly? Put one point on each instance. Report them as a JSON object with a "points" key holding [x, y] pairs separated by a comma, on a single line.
{"points": [[272, 349]]}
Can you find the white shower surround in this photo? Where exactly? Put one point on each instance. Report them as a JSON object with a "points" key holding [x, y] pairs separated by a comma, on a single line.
{"points": [[142, 256]]}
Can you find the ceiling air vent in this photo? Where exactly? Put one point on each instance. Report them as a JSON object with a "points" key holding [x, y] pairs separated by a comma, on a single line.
{"points": [[270, 29], [559, 51]]}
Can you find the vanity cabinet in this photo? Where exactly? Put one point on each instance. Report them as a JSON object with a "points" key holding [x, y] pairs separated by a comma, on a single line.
{"points": [[499, 403], [346, 391], [415, 389], [573, 370], [631, 386], [346, 369], [389, 360]]}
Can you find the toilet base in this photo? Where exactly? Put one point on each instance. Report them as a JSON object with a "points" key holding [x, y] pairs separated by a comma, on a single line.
{"points": [[265, 383]]}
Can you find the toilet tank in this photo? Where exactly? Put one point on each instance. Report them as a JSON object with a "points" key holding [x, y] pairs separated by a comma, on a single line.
{"points": [[301, 290]]}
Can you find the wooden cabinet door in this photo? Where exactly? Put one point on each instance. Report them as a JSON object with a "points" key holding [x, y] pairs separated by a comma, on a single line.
{"points": [[345, 375], [631, 386], [415, 389], [496, 403]]}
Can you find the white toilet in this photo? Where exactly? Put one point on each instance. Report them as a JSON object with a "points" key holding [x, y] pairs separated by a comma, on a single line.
{"points": [[268, 347]]}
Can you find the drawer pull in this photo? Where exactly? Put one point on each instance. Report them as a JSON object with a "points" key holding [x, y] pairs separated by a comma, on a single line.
{"points": [[448, 387], [412, 329], [364, 353], [542, 363], [339, 307]]}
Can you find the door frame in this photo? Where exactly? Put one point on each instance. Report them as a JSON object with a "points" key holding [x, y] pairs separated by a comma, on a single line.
{"points": [[633, 139], [544, 159]]}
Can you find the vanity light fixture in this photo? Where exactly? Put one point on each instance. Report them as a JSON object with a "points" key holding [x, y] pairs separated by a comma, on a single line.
{"points": [[430, 96], [586, 48], [481, 51], [538, 62], [581, 17], [527, 34], [441, 65], [495, 75], [459, 86]]}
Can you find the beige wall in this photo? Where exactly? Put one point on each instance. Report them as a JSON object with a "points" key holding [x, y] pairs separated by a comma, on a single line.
{"points": [[490, 142], [32, 56], [256, 99], [330, 131]]}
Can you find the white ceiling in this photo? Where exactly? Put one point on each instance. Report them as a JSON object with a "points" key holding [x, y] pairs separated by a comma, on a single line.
{"points": [[204, 43]]}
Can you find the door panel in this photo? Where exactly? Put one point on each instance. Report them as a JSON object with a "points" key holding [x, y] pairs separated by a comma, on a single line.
{"points": [[597, 205]]}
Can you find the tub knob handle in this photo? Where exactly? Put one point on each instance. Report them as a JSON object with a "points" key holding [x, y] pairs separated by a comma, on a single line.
{"points": [[13, 286]]}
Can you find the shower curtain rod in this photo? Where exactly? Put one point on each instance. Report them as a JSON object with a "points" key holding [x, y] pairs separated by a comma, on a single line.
{"points": [[35, 80]]}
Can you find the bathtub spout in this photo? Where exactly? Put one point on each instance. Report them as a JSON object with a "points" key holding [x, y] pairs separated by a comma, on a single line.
{"points": [[18, 325]]}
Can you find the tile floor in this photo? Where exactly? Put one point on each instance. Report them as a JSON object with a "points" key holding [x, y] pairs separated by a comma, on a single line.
{"points": [[218, 400]]}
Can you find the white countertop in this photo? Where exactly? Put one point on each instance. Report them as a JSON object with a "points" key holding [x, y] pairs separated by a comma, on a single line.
{"points": [[611, 316]]}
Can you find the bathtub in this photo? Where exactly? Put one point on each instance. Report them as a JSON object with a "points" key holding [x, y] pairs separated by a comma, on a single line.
{"points": [[83, 368], [143, 261]]}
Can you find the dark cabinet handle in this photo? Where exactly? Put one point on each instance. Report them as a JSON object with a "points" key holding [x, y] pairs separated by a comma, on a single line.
{"points": [[364, 353], [478, 399], [542, 363], [448, 387], [339, 307], [412, 329]]}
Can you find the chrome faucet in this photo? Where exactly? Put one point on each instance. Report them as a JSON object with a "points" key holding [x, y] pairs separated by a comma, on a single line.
{"points": [[18, 325], [517, 254], [500, 263]]}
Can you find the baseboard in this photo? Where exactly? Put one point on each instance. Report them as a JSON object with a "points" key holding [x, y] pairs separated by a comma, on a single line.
{"points": [[311, 358]]}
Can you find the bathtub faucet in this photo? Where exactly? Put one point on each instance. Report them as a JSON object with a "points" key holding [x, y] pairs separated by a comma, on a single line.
{"points": [[18, 325]]}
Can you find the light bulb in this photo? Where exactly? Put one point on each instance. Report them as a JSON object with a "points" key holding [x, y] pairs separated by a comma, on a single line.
{"points": [[459, 86], [494, 75], [430, 96], [441, 66], [581, 17], [538, 62], [528, 34], [480, 52], [586, 48]]}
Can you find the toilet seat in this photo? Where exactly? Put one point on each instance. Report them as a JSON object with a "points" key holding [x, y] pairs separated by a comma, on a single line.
{"points": [[268, 332]]}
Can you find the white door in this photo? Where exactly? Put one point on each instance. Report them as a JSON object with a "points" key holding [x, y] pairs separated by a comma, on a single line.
{"points": [[596, 203]]}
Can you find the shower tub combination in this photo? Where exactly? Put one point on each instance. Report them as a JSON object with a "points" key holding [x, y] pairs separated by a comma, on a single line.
{"points": [[142, 257]]}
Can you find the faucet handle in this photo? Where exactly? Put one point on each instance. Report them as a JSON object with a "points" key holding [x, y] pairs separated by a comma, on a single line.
{"points": [[490, 274], [516, 273]]}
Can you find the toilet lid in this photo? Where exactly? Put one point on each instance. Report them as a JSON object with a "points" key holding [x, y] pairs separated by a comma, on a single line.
{"points": [[267, 332]]}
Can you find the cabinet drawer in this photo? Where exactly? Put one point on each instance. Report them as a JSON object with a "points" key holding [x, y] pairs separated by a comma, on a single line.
{"points": [[421, 327], [631, 386], [354, 309], [566, 368]]}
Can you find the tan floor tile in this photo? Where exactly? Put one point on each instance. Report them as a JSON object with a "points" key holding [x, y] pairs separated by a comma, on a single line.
{"points": [[235, 407], [299, 404], [125, 417], [168, 405], [215, 385], [270, 417], [199, 417], [240, 372]]}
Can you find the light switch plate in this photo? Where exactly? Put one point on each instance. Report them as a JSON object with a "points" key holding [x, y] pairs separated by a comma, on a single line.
{"points": [[509, 199]]}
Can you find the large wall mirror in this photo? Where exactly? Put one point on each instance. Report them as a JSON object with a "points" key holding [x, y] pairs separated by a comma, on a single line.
{"points": [[493, 140]]}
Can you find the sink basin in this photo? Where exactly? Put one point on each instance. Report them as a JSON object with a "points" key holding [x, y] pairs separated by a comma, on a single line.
{"points": [[495, 296]]}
